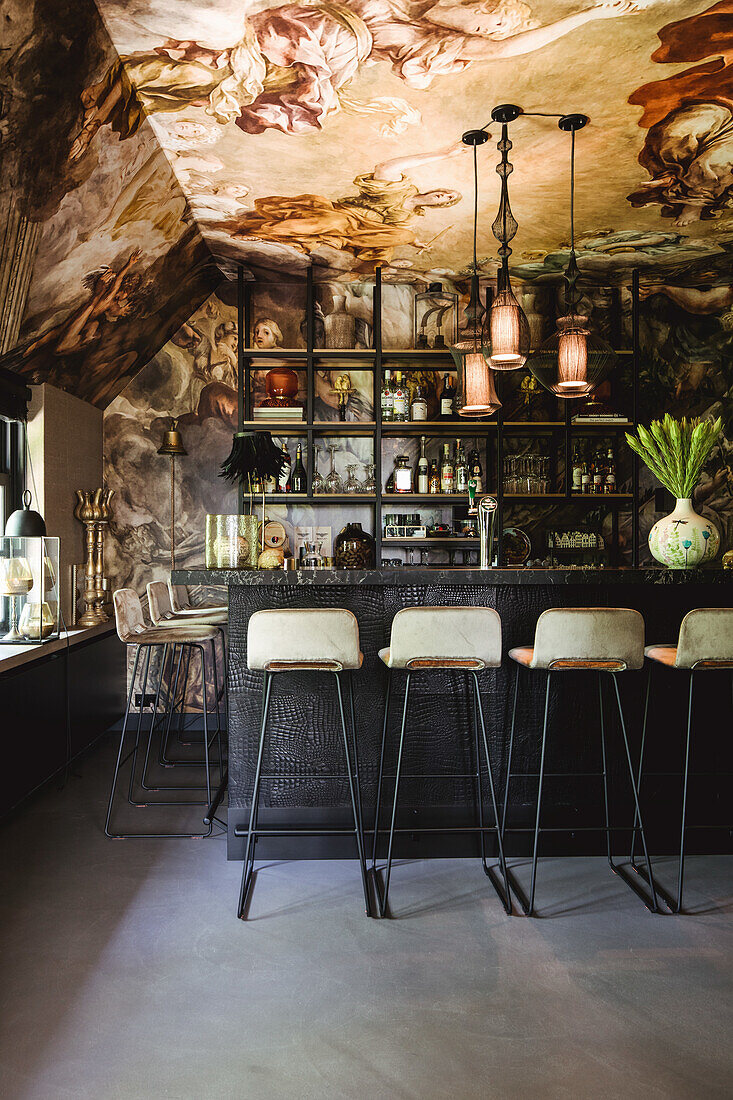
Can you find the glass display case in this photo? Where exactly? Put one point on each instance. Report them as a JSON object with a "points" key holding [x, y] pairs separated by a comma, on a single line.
{"points": [[29, 590]]}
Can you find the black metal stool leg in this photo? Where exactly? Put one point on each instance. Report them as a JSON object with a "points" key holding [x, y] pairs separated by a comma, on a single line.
{"points": [[502, 890], [354, 803], [378, 805], [133, 766], [355, 747], [162, 759], [154, 719], [115, 836], [248, 865], [382, 897], [511, 752], [676, 907], [478, 785], [652, 905], [640, 772]]}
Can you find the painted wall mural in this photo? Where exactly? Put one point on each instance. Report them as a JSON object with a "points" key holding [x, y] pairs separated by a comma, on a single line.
{"points": [[120, 260], [326, 133]]}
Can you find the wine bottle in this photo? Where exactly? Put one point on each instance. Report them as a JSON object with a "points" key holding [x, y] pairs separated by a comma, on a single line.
{"points": [[422, 469], [476, 471], [446, 399], [610, 482], [461, 475], [298, 477], [283, 483], [434, 481], [387, 398], [577, 470]]}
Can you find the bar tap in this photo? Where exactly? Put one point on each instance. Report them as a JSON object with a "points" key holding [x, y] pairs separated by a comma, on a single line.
{"points": [[486, 518]]}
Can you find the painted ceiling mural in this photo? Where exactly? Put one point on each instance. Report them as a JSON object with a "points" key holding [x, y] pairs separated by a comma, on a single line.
{"points": [[329, 132]]}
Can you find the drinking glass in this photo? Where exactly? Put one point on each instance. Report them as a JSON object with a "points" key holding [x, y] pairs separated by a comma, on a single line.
{"points": [[319, 482], [333, 482], [353, 485], [370, 484]]}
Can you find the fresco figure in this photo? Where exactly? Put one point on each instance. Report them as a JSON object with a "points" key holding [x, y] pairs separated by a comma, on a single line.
{"points": [[291, 68], [267, 333], [688, 150], [370, 224]]}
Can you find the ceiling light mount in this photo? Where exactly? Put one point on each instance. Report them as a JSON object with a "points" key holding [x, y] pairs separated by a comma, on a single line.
{"points": [[475, 137], [570, 124], [506, 112]]}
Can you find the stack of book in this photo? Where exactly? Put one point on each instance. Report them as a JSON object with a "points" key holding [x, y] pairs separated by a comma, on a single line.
{"points": [[601, 418], [284, 414]]}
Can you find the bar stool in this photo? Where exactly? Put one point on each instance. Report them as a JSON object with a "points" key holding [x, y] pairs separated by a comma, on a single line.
{"points": [[429, 640], [705, 644], [133, 631], [305, 640], [601, 640], [162, 615], [180, 601]]}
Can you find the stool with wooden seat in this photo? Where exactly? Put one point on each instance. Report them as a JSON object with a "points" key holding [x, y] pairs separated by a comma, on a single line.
{"points": [[181, 604], [318, 640], [428, 641], [132, 630], [705, 644], [604, 640]]}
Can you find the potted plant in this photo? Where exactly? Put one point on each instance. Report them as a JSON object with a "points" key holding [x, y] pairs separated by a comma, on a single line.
{"points": [[675, 451]]}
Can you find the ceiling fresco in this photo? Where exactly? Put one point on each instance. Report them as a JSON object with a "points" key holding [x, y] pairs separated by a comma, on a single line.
{"points": [[329, 132]]}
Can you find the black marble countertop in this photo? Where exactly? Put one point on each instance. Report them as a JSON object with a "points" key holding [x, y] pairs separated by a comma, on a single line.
{"points": [[436, 575]]}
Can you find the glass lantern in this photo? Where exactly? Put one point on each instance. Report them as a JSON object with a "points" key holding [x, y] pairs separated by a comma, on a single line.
{"points": [[29, 590], [436, 318], [232, 542]]}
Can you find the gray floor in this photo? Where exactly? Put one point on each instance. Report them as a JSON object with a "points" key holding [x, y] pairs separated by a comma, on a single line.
{"points": [[126, 975]]}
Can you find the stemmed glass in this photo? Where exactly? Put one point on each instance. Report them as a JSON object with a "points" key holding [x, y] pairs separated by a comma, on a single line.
{"points": [[333, 482], [370, 483], [319, 482], [353, 485]]}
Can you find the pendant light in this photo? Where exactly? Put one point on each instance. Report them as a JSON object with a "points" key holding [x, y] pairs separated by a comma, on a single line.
{"points": [[574, 360], [477, 397], [507, 338]]}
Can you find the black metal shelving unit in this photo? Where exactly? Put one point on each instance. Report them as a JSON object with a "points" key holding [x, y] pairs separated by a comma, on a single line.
{"points": [[493, 433]]}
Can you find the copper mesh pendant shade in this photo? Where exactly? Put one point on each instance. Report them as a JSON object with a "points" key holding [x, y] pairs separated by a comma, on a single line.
{"points": [[574, 360], [477, 398]]}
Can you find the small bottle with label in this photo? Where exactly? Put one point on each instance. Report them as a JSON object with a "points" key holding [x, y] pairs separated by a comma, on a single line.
{"points": [[399, 399], [599, 473], [387, 401], [447, 471], [402, 475], [423, 479], [284, 479], [476, 470], [419, 404], [461, 475], [610, 482], [577, 470], [446, 399], [434, 479]]}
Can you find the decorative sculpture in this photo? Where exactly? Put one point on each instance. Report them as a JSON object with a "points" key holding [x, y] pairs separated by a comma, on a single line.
{"points": [[92, 510]]}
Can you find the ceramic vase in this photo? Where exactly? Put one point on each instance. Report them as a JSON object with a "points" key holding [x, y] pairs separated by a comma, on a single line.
{"points": [[683, 539]]}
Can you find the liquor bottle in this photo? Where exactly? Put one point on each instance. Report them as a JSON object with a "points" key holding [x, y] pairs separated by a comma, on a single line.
{"points": [[461, 469], [423, 479], [255, 485], [447, 471], [399, 395], [434, 481], [446, 399], [577, 470], [610, 482], [298, 477], [387, 398], [476, 471], [284, 479], [586, 478], [270, 484], [599, 472], [419, 404]]}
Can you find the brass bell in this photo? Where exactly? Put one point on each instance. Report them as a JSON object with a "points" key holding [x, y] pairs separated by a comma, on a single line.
{"points": [[172, 442]]}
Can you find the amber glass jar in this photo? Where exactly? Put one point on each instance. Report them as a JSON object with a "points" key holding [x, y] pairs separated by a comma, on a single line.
{"points": [[354, 548]]}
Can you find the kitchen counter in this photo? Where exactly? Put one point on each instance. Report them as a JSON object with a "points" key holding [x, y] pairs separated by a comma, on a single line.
{"points": [[467, 575]]}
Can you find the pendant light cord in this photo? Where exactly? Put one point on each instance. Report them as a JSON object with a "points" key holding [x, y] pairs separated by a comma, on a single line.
{"points": [[475, 207], [572, 192]]}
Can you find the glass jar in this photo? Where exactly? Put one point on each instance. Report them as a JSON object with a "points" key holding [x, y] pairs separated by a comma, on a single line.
{"points": [[402, 475], [232, 542], [436, 318], [354, 548]]}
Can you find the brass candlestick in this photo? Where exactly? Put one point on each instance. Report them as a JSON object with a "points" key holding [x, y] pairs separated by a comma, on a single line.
{"points": [[92, 510]]}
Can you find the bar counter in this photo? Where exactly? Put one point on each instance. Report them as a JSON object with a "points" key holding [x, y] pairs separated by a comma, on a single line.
{"points": [[304, 731]]}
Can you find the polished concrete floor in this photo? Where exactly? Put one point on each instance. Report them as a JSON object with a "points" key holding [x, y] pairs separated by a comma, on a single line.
{"points": [[126, 976]]}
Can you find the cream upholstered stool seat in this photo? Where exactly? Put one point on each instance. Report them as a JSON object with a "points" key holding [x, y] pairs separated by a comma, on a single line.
{"points": [[132, 630], [569, 639], [705, 644], [164, 617], [431, 640], [180, 604], [318, 640]]}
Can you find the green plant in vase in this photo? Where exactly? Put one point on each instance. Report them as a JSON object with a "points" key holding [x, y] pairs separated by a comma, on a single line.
{"points": [[676, 451]]}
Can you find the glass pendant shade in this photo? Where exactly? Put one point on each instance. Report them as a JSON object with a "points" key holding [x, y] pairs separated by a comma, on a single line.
{"points": [[508, 332], [16, 577], [573, 361]]}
